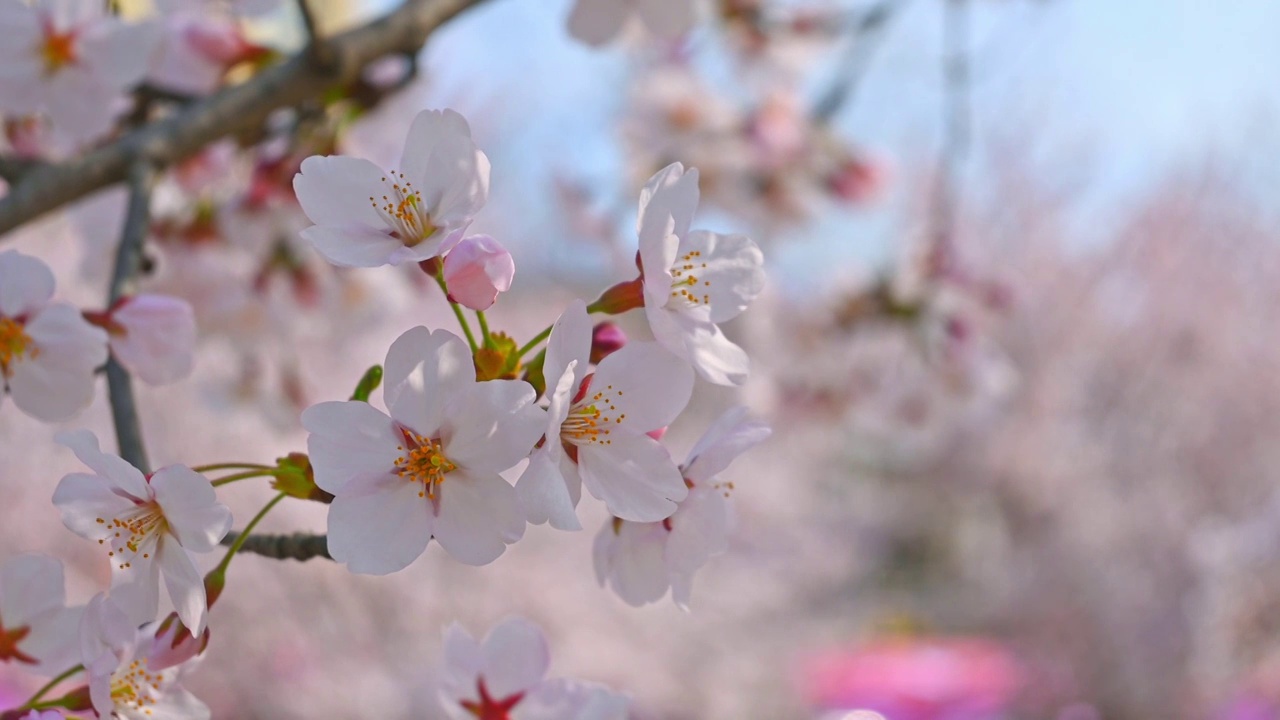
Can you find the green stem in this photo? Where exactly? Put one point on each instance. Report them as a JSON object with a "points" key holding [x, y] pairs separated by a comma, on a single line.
{"points": [[231, 466], [267, 472], [484, 329], [534, 342], [244, 534], [28, 705], [457, 311]]}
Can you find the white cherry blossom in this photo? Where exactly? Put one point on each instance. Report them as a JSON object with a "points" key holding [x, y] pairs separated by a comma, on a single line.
{"points": [[48, 352], [641, 560], [504, 678], [154, 336], [597, 427], [596, 22], [429, 469], [365, 216], [148, 525], [37, 629], [70, 61], [694, 280]]}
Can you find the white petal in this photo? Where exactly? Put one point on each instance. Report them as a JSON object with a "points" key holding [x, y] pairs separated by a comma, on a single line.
{"points": [[493, 426], [177, 703], [26, 284], [702, 343], [596, 22], [461, 666], [183, 581], [136, 590], [104, 628], [58, 382], [544, 492], [353, 245], [53, 640], [80, 105], [191, 507], [82, 499], [699, 530], [335, 190], [667, 205], [728, 437], [428, 129], [378, 524], [638, 571], [570, 342], [29, 585], [668, 19], [634, 476], [459, 187], [349, 439], [646, 383], [515, 658], [423, 373], [159, 340], [120, 56], [730, 271], [479, 515]]}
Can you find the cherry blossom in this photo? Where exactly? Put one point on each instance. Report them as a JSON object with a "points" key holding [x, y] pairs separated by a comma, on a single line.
{"points": [[431, 468], [70, 61], [154, 336], [694, 280], [365, 216], [504, 678], [597, 425], [476, 270], [125, 681], [196, 52], [149, 526], [37, 629], [641, 560], [596, 22], [48, 352]]}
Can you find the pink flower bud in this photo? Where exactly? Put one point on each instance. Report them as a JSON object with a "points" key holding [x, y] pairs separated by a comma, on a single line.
{"points": [[154, 336], [857, 180], [606, 339], [174, 644], [476, 270]]}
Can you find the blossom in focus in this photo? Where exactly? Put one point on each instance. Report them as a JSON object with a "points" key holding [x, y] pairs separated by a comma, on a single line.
{"points": [[916, 679], [504, 678], [154, 336], [149, 526], [70, 61], [125, 681], [596, 22], [694, 280], [365, 216], [37, 629], [48, 352], [476, 270], [431, 468], [641, 560], [597, 425]]}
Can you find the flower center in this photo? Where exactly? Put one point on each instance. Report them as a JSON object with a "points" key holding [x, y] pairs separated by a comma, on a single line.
{"points": [[489, 708], [403, 211], [591, 416], [685, 283], [14, 344], [133, 687], [58, 50], [132, 532], [9, 639], [423, 461]]}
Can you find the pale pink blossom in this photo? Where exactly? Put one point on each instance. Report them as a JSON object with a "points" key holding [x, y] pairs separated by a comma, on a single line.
{"points": [[597, 427], [504, 678], [48, 352], [149, 527], [365, 216], [37, 629], [641, 560], [154, 336], [71, 62], [197, 50], [429, 469], [694, 280], [596, 22], [476, 270]]}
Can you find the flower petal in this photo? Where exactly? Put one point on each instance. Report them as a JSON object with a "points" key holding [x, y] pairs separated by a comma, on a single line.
{"points": [[29, 586], [646, 383], [570, 341], [515, 658], [424, 372], [336, 190], [191, 507], [26, 284], [461, 666], [493, 426], [730, 271], [349, 439], [58, 382], [159, 340], [54, 640], [479, 515], [632, 562], [596, 22], [183, 581], [728, 437], [83, 499], [702, 343], [428, 129], [668, 19], [667, 205], [353, 245], [378, 524], [634, 476], [544, 493], [115, 470]]}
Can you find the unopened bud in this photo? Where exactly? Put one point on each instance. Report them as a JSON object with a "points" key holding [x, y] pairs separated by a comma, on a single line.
{"points": [[606, 339], [620, 298]]}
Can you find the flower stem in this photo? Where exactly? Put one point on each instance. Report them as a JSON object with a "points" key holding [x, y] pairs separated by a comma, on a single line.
{"points": [[265, 472], [484, 328], [231, 466], [51, 685], [221, 569], [457, 311], [546, 332]]}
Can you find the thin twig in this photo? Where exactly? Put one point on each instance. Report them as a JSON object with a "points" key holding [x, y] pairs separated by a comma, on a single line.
{"points": [[298, 546], [955, 128], [124, 410], [231, 111], [864, 40], [319, 50]]}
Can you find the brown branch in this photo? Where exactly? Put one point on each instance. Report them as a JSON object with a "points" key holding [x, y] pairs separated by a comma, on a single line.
{"points": [[866, 33], [298, 546], [233, 110]]}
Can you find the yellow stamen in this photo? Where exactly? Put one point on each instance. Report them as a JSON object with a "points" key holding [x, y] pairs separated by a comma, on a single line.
{"points": [[15, 344]]}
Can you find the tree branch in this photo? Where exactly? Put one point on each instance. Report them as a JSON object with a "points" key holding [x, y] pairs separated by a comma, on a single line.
{"points": [[298, 546], [230, 111], [866, 31], [124, 411]]}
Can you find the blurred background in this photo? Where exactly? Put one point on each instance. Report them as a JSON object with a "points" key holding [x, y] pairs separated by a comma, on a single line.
{"points": [[1018, 350]]}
